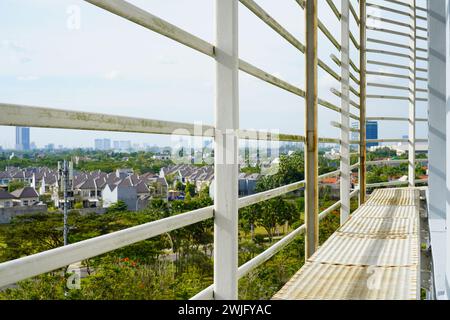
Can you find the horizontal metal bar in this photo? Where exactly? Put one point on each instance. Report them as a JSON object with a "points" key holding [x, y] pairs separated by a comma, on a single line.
{"points": [[389, 53], [147, 20], [387, 74], [206, 294], [334, 9], [339, 94], [329, 140], [395, 22], [380, 7], [354, 193], [265, 17], [339, 126], [388, 43], [354, 41], [395, 140], [323, 28], [422, 49], [421, 18], [399, 3], [383, 162], [389, 31], [394, 119], [269, 136], [267, 77], [33, 265], [394, 183], [269, 253], [386, 64], [337, 61], [419, 8], [356, 165], [354, 14], [272, 23], [329, 35], [27, 116], [376, 96], [387, 86], [270, 194], [421, 29]]}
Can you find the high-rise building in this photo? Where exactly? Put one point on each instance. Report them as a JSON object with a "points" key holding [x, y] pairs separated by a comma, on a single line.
{"points": [[372, 133], [122, 145], [107, 144], [98, 144], [22, 138], [102, 144]]}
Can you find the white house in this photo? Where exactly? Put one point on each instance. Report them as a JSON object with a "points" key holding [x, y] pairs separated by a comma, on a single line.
{"points": [[124, 191]]}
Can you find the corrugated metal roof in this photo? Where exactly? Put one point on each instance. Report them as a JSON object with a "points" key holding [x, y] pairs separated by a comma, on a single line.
{"points": [[341, 282], [374, 256], [393, 197], [360, 250]]}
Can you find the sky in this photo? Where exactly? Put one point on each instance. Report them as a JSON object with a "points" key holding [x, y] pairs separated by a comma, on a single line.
{"points": [[69, 54]]}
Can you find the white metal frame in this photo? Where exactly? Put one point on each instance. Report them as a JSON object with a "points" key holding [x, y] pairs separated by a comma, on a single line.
{"points": [[226, 133]]}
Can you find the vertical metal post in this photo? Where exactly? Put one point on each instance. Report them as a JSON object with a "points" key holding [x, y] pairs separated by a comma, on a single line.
{"points": [[345, 107], [65, 187], [362, 101], [312, 141], [226, 151], [447, 162], [412, 101], [437, 190]]}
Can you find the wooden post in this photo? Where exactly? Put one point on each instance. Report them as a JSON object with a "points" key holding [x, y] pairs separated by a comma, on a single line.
{"points": [[312, 141]]}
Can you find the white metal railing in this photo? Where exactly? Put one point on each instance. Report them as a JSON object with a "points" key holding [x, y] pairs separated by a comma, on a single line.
{"points": [[224, 212]]}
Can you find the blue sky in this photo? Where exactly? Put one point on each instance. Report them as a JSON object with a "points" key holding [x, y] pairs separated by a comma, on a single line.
{"points": [[110, 65]]}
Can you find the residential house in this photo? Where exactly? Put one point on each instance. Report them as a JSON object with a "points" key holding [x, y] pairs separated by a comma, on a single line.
{"points": [[124, 191], [331, 186], [88, 193], [6, 199], [26, 196]]}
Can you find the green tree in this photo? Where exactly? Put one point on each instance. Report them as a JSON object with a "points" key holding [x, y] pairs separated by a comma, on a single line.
{"points": [[179, 186], [189, 189], [15, 185], [119, 206]]}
